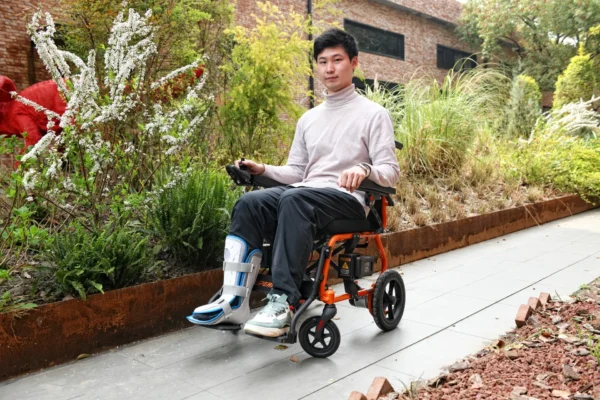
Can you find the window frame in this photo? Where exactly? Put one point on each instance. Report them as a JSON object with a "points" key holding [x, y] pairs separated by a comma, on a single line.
{"points": [[379, 30], [461, 52]]}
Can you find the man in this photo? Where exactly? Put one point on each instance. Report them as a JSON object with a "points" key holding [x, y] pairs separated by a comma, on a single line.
{"points": [[337, 145]]}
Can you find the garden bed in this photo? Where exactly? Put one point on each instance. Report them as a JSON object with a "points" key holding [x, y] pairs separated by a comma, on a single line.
{"points": [[555, 356], [62, 331]]}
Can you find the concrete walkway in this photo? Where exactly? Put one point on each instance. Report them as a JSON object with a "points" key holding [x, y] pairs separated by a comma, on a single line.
{"points": [[457, 303]]}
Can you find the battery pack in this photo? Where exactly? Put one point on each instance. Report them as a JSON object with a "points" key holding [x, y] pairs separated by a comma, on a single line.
{"points": [[355, 266]]}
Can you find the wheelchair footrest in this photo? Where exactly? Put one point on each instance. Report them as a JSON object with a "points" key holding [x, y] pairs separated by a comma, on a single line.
{"points": [[224, 327]]}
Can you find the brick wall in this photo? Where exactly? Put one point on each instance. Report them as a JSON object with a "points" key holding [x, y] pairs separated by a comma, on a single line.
{"points": [[16, 58], [446, 10]]}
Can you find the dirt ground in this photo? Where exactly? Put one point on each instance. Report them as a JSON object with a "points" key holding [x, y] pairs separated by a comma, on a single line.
{"points": [[555, 356]]}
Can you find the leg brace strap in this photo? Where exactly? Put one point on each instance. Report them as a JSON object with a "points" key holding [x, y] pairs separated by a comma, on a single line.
{"points": [[236, 290], [237, 266]]}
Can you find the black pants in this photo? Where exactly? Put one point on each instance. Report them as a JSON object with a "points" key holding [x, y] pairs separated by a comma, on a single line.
{"points": [[290, 218]]}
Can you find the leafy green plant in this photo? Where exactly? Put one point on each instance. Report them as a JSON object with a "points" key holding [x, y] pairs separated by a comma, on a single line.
{"points": [[524, 107], [577, 82], [191, 215], [569, 164], [88, 262], [9, 304]]}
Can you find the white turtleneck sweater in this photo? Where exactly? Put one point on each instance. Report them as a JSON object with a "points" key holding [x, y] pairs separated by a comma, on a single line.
{"points": [[345, 130]]}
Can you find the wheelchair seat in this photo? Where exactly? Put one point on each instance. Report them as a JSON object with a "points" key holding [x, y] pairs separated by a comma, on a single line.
{"points": [[339, 226]]}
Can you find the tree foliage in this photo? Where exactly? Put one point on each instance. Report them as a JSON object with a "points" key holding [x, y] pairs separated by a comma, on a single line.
{"points": [[184, 30], [268, 73], [544, 34]]}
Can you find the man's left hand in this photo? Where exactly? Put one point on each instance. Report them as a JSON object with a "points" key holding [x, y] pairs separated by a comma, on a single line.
{"points": [[352, 178]]}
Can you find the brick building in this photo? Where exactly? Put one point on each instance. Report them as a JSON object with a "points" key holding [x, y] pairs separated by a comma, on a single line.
{"points": [[396, 37]]}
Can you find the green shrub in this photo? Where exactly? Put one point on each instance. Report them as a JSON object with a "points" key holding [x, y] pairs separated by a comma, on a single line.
{"points": [[438, 123], [524, 107], [88, 262], [191, 216], [577, 82], [569, 164]]}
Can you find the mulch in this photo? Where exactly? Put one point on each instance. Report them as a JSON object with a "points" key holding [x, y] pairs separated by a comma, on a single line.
{"points": [[554, 356]]}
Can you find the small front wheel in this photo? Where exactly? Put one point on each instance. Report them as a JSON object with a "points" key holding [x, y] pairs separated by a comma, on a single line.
{"points": [[324, 346], [389, 299]]}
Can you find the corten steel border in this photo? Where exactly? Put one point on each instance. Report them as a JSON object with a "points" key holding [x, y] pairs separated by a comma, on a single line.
{"points": [[415, 244], [59, 332]]}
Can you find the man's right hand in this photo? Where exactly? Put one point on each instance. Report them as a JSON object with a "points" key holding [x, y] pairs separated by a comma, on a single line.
{"points": [[252, 167]]}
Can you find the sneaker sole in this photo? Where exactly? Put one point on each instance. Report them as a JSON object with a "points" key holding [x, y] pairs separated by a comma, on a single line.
{"points": [[264, 331]]}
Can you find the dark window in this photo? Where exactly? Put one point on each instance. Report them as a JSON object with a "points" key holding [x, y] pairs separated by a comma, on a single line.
{"points": [[448, 58], [361, 85], [375, 40]]}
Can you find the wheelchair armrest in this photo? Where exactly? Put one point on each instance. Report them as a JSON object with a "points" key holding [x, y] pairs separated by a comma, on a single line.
{"points": [[244, 178], [373, 189]]}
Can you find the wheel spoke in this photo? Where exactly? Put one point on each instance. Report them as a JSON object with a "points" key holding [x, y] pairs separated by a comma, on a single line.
{"points": [[390, 312], [323, 343], [386, 299], [390, 291]]}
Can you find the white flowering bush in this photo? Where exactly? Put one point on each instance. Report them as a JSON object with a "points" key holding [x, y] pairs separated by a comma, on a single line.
{"points": [[116, 135], [125, 140]]}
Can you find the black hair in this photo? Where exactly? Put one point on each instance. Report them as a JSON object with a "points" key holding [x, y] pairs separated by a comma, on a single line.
{"points": [[335, 37]]}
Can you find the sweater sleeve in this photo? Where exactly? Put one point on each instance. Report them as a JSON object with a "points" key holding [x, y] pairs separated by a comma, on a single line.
{"points": [[384, 164], [293, 171]]}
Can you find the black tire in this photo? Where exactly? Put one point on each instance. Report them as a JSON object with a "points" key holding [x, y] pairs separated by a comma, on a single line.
{"points": [[330, 339], [389, 299]]}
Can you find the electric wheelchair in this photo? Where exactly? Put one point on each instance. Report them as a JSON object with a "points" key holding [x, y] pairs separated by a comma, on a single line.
{"points": [[385, 299]]}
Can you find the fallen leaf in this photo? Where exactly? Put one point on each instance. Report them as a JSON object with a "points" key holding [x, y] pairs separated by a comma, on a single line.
{"points": [[439, 380], [569, 372], [542, 385], [26, 275], [294, 359], [568, 338], [476, 380], [556, 319], [561, 393], [541, 377], [281, 347], [580, 352], [590, 328], [82, 356], [500, 344], [583, 396], [562, 327], [519, 390], [459, 366]]}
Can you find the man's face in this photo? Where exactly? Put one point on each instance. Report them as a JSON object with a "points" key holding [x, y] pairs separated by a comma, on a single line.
{"points": [[335, 69]]}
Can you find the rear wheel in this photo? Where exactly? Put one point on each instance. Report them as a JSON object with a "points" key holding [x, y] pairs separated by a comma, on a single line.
{"points": [[389, 299]]}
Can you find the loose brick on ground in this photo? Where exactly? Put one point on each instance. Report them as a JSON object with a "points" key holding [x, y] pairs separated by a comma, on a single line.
{"points": [[522, 315]]}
